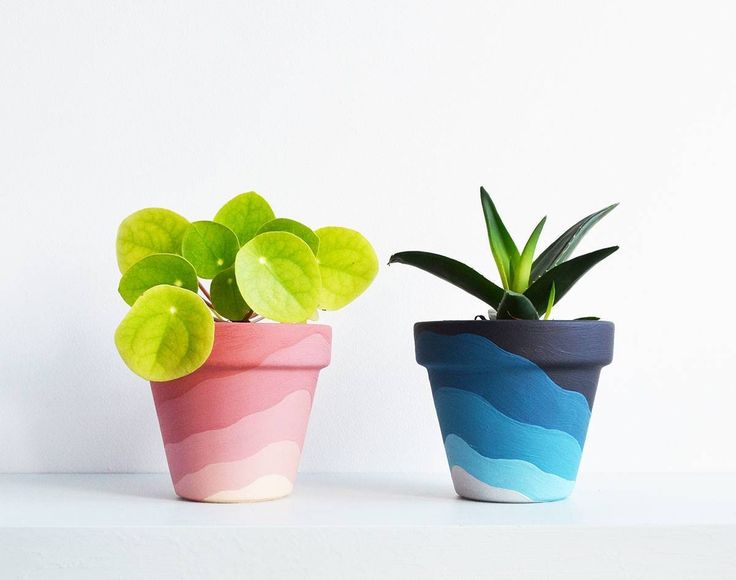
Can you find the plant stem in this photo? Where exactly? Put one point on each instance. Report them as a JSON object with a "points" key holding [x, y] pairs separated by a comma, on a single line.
{"points": [[204, 291]]}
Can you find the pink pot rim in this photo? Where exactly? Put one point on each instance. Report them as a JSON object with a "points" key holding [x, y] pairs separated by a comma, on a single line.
{"points": [[244, 345]]}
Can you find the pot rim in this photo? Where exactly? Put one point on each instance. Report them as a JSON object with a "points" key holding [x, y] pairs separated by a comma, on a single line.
{"points": [[263, 323], [519, 322]]}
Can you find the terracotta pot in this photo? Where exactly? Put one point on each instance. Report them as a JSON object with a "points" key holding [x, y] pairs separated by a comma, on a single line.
{"points": [[233, 430], [514, 398]]}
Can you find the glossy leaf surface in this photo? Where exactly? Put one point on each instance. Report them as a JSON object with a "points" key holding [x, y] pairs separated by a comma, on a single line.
{"points": [[454, 272], [278, 277], [167, 334], [155, 270], [347, 264], [149, 231]]}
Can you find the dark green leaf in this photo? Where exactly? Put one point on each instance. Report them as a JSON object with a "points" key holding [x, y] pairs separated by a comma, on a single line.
{"points": [[559, 250], [588, 318], [453, 272], [515, 306], [503, 248], [563, 276], [226, 296]]}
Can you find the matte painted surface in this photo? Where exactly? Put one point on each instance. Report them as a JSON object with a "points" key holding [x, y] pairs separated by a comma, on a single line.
{"points": [[234, 429], [511, 432]]}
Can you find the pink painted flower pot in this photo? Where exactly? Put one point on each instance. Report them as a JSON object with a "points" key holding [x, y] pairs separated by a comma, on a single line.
{"points": [[233, 430]]}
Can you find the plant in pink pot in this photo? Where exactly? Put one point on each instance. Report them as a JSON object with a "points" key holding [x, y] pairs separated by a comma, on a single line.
{"points": [[233, 397]]}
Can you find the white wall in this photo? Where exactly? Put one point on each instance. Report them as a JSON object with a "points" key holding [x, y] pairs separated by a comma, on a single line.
{"points": [[384, 117]]}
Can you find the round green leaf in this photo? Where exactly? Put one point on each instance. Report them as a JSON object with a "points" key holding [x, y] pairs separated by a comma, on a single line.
{"points": [[155, 270], [226, 296], [278, 276], [294, 227], [210, 247], [348, 264], [167, 334], [149, 231], [245, 214]]}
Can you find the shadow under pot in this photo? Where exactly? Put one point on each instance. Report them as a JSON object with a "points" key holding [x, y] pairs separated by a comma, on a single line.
{"points": [[513, 399], [233, 430]]}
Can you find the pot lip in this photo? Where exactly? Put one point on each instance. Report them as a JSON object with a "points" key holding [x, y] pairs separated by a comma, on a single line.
{"points": [[550, 323], [270, 325]]}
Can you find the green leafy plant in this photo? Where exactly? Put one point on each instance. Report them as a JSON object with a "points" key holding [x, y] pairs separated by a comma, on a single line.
{"points": [[260, 267], [530, 286]]}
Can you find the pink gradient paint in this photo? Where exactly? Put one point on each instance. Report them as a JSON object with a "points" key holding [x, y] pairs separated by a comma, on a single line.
{"points": [[233, 430]]}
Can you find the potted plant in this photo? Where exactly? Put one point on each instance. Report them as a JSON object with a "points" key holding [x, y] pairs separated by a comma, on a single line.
{"points": [[514, 393], [233, 397]]}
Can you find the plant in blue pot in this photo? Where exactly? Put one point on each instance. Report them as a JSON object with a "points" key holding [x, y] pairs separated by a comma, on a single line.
{"points": [[514, 392]]}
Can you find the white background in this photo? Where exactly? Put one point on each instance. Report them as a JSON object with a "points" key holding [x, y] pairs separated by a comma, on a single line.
{"points": [[385, 117]]}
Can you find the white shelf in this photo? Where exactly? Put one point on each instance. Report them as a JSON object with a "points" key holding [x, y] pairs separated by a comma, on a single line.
{"points": [[367, 526]]}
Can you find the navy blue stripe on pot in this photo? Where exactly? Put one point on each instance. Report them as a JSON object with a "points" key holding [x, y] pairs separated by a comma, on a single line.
{"points": [[513, 399]]}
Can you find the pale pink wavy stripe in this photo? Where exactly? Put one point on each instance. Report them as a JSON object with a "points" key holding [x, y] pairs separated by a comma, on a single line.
{"points": [[285, 421], [281, 458], [222, 401]]}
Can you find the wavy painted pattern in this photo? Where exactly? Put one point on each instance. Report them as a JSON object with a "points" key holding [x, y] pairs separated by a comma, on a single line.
{"points": [[511, 434], [511, 383], [233, 431], [494, 435], [518, 475]]}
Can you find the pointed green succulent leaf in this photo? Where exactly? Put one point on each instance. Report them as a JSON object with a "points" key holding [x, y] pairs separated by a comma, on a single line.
{"points": [[563, 276], [550, 302], [149, 231], [515, 306], [561, 249], [294, 227], [503, 248], [155, 270], [278, 276], [523, 271], [348, 264], [210, 247], [227, 298], [454, 272], [245, 214], [167, 334]]}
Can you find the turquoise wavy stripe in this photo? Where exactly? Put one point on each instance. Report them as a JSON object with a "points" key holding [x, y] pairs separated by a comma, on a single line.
{"points": [[511, 383], [496, 436], [513, 474]]}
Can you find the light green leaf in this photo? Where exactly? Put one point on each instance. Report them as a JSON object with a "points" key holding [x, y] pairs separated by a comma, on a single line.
{"points": [[245, 214], [503, 248], [348, 264], [155, 270], [294, 227], [278, 276], [167, 334], [149, 231], [550, 302], [210, 247], [523, 271], [226, 296]]}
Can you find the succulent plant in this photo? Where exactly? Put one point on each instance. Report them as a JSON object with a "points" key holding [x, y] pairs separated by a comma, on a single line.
{"points": [[260, 267], [530, 286]]}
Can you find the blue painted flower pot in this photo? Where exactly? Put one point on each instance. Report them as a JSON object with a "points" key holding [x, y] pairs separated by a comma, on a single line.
{"points": [[513, 399]]}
